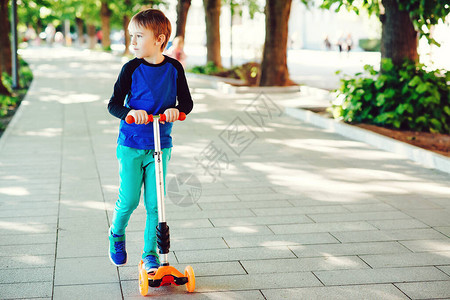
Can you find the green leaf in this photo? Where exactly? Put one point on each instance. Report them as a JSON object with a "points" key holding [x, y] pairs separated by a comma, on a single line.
{"points": [[447, 110], [415, 81], [386, 64], [422, 88], [380, 99]]}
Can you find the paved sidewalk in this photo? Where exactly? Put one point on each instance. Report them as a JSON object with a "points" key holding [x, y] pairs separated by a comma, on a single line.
{"points": [[287, 210]]}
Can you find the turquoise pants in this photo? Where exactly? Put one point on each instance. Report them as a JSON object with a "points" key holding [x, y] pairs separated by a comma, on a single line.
{"points": [[137, 168]]}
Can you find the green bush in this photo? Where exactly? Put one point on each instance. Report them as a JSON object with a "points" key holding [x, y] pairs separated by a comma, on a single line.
{"points": [[370, 44], [209, 69], [406, 97], [248, 72], [25, 78]]}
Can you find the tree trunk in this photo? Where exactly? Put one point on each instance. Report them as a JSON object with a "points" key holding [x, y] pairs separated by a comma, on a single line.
{"points": [[5, 42], [106, 26], [212, 18], [80, 30], [182, 12], [92, 38], [399, 39], [126, 21], [274, 71]]}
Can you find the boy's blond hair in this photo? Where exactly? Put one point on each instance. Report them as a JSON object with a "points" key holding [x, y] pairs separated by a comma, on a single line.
{"points": [[156, 21]]}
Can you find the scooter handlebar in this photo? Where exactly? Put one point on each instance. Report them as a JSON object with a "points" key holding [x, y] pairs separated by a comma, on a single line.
{"points": [[162, 117]]}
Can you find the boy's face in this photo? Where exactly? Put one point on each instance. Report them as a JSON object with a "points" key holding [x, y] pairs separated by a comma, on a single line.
{"points": [[143, 41]]}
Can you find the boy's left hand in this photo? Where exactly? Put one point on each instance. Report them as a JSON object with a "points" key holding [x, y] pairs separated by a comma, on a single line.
{"points": [[172, 115]]}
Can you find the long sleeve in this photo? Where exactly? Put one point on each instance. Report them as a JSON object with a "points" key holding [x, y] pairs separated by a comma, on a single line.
{"points": [[185, 102], [121, 89]]}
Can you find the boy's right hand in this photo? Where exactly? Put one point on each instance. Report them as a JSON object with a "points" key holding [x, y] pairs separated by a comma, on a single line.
{"points": [[140, 116]]}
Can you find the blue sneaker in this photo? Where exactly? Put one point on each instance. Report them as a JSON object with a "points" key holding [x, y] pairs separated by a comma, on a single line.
{"points": [[151, 263], [117, 251]]}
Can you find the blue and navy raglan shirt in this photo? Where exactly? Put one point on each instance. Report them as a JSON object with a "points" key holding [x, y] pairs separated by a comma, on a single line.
{"points": [[153, 88]]}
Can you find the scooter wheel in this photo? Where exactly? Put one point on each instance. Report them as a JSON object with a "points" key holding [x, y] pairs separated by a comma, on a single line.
{"points": [[189, 273], [143, 280]]}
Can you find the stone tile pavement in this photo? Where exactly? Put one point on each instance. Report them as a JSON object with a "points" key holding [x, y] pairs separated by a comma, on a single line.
{"points": [[287, 210]]}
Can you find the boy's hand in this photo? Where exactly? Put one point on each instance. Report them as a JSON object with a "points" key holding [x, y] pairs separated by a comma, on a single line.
{"points": [[172, 115], [140, 116]]}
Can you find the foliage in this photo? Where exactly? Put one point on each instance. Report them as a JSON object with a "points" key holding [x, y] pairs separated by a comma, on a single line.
{"points": [[423, 14], [248, 72], [209, 69], [370, 44], [405, 97], [25, 78]]}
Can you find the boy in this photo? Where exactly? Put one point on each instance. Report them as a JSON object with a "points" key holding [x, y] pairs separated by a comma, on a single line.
{"points": [[149, 84]]}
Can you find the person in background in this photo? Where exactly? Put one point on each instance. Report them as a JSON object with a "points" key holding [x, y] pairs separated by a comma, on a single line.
{"points": [[176, 50]]}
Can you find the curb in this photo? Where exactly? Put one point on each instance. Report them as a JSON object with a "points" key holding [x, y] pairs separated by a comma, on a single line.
{"points": [[224, 85], [421, 156]]}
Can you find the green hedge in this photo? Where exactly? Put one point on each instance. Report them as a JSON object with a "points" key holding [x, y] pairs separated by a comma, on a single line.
{"points": [[370, 44], [406, 97], [25, 78]]}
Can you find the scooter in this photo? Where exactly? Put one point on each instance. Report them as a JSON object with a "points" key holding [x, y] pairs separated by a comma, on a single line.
{"points": [[166, 274]]}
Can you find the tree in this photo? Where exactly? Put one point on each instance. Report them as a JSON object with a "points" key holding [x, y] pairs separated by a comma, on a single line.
{"points": [[182, 12], [105, 15], [212, 18], [274, 69], [5, 55], [402, 23]]}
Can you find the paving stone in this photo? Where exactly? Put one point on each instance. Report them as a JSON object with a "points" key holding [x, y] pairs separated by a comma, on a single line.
{"points": [[304, 201], [180, 244], [303, 264], [222, 255], [30, 249], [388, 235], [445, 269], [24, 275], [19, 229], [213, 199], [82, 225], [444, 230], [321, 227], [432, 217], [200, 269], [292, 219], [372, 207], [220, 231], [29, 220], [375, 292], [130, 291], [85, 270], [265, 197], [331, 209], [256, 281], [348, 249], [27, 239], [209, 214], [108, 291], [360, 216], [245, 204], [397, 224], [407, 259], [426, 290], [280, 240], [82, 245], [27, 261], [36, 212], [381, 275], [427, 245], [26, 290]]}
